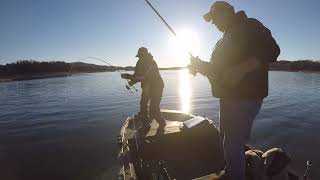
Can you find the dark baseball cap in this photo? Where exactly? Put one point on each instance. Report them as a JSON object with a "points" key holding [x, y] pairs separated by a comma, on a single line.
{"points": [[216, 8], [142, 51]]}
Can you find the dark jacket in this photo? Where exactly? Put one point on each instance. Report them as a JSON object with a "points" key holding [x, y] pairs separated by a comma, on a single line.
{"points": [[148, 69], [246, 38]]}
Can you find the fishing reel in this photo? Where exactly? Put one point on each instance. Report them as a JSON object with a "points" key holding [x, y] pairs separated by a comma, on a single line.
{"points": [[128, 77], [129, 88], [307, 171], [192, 67]]}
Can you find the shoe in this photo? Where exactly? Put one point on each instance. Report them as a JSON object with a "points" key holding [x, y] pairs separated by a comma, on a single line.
{"points": [[144, 129], [214, 177], [220, 176], [162, 124]]}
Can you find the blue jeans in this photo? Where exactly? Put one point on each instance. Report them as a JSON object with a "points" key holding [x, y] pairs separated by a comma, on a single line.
{"points": [[236, 119]]}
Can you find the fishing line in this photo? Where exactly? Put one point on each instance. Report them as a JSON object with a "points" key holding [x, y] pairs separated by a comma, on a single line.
{"points": [[102, 60], [116, 70]]}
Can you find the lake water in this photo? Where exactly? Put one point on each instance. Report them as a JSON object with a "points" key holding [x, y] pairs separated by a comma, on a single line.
{"points": [[66, 128]]}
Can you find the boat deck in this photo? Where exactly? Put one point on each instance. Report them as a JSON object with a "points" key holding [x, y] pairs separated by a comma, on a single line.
{"points": [[185, 153]]}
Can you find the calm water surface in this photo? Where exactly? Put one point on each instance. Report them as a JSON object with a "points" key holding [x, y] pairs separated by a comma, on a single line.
{"points": [[66, 128]]}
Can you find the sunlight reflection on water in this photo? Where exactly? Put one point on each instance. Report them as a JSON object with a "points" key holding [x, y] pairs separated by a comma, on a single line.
{"points": [[39, 130], [184, 90]]}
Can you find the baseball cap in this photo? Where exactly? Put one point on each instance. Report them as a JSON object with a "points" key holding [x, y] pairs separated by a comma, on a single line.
{"points": [[217, 7], [142, 51]]}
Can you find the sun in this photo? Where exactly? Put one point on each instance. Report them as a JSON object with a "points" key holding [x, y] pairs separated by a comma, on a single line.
{"points": [[186, 41]]}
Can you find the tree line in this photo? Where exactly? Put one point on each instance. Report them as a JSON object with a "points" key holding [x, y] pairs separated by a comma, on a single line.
{"points": [[301, 65], [35, 67]]}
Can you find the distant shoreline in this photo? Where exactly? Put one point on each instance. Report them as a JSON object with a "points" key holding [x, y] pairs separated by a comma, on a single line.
{"points": [[28, 70], [32, 76], [54, 75]]}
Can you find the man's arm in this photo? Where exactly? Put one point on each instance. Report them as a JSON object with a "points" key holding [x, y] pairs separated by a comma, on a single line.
{"points": [[140, 74], [233, 75], [203, 67], [208, 69], [135, 77], [126, 76]]}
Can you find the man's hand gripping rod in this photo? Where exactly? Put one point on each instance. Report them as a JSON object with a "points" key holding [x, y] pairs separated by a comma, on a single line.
{"points": [[191, 69]]}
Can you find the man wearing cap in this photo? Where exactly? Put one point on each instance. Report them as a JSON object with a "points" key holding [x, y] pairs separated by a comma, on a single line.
{"points": [[147, 72], [238, 74]]}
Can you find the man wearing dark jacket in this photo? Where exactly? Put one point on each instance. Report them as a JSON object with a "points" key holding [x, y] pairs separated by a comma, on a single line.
{"points": [[238, 74], [147, 72]]}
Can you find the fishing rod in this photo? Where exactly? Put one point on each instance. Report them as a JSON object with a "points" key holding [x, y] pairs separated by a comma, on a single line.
{"points": [[90, 57], [192, 70], [127, 85]]}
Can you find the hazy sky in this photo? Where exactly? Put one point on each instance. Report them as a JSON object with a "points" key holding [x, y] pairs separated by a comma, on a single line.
{"points": [[114, 29]]}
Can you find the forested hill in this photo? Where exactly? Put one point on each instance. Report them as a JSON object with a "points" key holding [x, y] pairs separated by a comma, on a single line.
{"points": [[301, 65], [35, 67], [29, 69]]}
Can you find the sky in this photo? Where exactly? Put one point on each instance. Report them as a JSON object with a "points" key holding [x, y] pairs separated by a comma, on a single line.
{"points": [[113, 30]]}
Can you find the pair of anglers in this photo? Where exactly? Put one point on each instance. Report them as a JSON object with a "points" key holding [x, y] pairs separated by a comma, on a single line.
{"points": [[237, 72]]}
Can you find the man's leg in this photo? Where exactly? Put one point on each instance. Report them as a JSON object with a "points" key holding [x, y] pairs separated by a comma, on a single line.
{"points": [[154, 110], [145, 98], [236, 119]]}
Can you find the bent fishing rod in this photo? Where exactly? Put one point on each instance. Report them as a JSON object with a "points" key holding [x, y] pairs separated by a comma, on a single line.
{"points": [[104, 61], [127, 85], [192, 71]]}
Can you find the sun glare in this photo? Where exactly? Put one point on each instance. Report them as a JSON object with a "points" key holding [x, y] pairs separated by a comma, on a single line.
{"points": [[186, 40], [184, 90]]}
